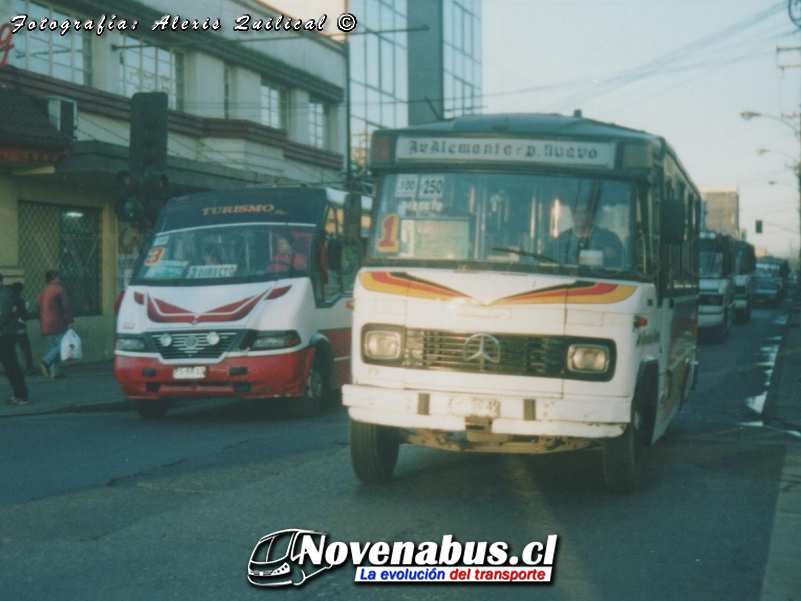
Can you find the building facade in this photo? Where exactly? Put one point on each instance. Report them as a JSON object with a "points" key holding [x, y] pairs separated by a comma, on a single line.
{"points": [[411, 62], [721, 208], [246, 107], [401, 78]]}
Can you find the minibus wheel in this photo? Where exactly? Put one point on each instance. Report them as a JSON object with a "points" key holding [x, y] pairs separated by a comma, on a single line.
{"points": [[373, 451], [318, 389], [151, 409], [621, 454]]}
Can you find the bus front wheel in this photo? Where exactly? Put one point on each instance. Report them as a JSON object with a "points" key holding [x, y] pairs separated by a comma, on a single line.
{"points": [[621, 455], [373, 451]]}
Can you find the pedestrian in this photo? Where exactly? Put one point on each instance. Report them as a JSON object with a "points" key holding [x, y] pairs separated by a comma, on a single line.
{"points": [[23, 315], [8, 353], [55, 318]]}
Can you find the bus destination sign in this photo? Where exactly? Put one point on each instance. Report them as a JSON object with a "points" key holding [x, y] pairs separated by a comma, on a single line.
{"points": [[558, 152]]}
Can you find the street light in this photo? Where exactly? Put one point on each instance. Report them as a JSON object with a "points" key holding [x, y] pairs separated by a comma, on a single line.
{"points": [[787, 121]]}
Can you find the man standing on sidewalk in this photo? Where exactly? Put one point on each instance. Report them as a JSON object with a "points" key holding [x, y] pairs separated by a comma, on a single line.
{"points": [[8, 341], [55, 318]]}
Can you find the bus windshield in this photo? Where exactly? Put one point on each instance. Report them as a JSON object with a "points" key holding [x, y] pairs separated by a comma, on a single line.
{"points": [[224, 254], [711, 259], [504, 221]]}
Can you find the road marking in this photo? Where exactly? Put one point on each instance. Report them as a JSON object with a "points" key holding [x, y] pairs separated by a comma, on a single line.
{"points": [[782, 577]]}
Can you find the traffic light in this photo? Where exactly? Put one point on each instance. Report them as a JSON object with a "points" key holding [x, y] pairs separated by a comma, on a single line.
{"points": [[127, 197], [759, 226], [148, 141]]}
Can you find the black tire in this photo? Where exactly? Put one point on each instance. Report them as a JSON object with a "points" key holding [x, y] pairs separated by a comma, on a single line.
{"points": [[621, 455], [318, 390], [152, 410], [373, 451]]}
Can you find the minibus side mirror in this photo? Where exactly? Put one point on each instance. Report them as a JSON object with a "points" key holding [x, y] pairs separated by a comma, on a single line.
{"points": [[673, 221], [334, 250], [353, 217]]}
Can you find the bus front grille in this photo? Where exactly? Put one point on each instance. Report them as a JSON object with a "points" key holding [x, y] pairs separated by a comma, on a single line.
{"points": [[191, 344], [507, 354]]}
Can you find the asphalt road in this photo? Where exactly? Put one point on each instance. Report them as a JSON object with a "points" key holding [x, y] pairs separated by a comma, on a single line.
{"points": [[109, 506]]}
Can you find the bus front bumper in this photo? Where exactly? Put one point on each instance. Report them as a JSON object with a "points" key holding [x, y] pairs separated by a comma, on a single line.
{"points": [[498, 414], [710, 316], [146, 377]]}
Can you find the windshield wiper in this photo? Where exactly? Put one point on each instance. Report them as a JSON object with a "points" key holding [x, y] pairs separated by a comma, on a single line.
{"points": [[525, 253]]}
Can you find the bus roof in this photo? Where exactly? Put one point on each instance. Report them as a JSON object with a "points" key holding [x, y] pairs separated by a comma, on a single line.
{"points": [[260, 193], [540, 125], [265, 204], [529, 123]]}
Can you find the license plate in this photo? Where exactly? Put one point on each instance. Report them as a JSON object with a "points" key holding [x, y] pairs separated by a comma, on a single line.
{"points": [[196, 372], [465, 406]]}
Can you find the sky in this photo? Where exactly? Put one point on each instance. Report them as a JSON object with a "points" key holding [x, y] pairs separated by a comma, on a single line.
{"points": [[682, 69]]}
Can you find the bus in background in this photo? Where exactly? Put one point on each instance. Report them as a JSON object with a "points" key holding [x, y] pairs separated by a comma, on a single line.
{"points": [[530, 285], [777, 270], [744, 280], [242, 293], [716, 309]]}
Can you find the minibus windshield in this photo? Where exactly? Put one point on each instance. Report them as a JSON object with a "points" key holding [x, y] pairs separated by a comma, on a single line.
{"points": [[223, 254]]}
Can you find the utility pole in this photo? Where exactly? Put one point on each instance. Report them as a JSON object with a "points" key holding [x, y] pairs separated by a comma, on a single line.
{"points": [[794, 9]]}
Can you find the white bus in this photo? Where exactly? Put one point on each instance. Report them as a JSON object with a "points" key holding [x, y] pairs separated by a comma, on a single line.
{"points": [[717, 305], [242, 294], [530, 285]]}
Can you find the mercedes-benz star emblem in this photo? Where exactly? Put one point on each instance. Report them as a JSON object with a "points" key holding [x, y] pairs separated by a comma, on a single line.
{"points": [[482, 347]]}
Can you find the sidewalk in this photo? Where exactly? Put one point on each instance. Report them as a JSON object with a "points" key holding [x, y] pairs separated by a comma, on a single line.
{"points": [[86, 386], [783, 403]]}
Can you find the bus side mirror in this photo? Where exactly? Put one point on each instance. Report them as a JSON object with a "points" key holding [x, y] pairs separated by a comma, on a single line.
{"points": [[673, 221], [353, 217], [334, 253]]}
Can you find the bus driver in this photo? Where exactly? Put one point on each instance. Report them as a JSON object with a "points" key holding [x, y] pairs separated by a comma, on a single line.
{"points": [[586, 235]]}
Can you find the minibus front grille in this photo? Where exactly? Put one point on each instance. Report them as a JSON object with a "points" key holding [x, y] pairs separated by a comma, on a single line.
{"points": [[540, 356], [192, 344]]}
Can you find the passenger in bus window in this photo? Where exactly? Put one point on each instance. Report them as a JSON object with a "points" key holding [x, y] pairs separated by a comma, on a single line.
{"points": [[212, 255], [285, 256], [586, 235]]}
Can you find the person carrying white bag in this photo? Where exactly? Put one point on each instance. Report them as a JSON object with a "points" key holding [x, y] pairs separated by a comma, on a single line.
{"points": [[71, 346], [55, 320]]}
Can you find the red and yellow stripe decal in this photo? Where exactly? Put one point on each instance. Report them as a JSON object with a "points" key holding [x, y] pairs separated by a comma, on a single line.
{"points": [[394, 282], [580, 292]]}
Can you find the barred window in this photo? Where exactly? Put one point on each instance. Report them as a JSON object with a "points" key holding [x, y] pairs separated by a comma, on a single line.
{"points": [[67, 57], [67, 239]]}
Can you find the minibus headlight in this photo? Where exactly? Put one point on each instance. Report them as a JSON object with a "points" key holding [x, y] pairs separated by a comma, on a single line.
{"points": [[587, 358], [131, 344], [275, 340], [382, 343]]}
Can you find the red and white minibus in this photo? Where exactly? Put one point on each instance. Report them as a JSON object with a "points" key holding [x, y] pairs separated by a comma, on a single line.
{"points": [[241, 293]]}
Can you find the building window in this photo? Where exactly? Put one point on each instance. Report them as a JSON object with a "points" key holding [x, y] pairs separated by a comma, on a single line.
{"points": [[273, 101], [147, 68], [318, 125], [379, 72], [67, 239], [67, 57], [462, 51]]}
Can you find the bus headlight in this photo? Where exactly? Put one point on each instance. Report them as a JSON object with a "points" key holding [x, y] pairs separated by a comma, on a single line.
{"points": [[382, 343], [275, 340], [132, 343], [587, 358]]}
